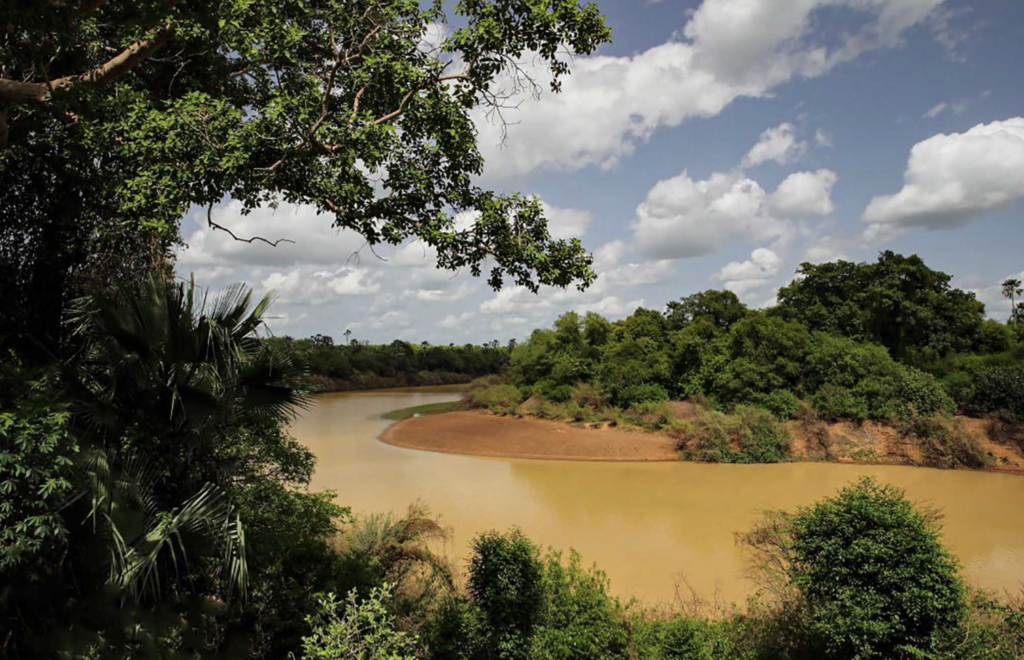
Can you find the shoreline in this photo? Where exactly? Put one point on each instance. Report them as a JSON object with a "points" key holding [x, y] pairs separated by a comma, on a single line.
{"points": [[479, 433], [483, 434]]}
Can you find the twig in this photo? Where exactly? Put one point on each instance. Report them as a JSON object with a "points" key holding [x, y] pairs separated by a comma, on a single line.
{"points": [[214, 225]]}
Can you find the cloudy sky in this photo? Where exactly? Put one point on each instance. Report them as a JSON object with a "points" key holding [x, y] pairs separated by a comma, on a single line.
{"points": [[714, 144]]}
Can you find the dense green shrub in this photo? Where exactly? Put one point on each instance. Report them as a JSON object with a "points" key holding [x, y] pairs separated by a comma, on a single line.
{"points": [[750, 435], [834, 402], [649, 414], [506, 583], [554, 391], [762, 438], [580, 620], [781, 403], [37, 477], [502, 399], [922, 393], [999, 390], [357, 630], [685, 638], [876, 579], [632, 395]]}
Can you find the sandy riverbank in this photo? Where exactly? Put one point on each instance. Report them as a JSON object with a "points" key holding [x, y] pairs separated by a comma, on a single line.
{"points": [[480, 433]]}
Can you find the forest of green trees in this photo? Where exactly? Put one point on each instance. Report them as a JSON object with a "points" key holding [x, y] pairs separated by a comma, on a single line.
{"points": [[889, 341], [152, 503], [356, 365]]}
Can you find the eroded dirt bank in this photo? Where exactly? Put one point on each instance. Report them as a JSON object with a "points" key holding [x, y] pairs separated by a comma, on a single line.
{"points": [[480, 433]]}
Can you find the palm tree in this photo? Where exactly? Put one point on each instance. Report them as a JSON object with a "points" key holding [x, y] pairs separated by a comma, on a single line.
{"points": [[162, 383], [1012, 289]]}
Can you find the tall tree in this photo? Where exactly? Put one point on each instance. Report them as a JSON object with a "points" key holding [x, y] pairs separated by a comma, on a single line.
{"points": [[897, 301], [117, 116], [1012, 289]]}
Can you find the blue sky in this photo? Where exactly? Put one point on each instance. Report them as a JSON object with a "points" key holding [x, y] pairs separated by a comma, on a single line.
{"points": [[713, 144]]}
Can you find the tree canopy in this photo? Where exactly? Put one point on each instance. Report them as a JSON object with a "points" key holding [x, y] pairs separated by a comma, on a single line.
{"points": [[897, 301], [117, 117]]}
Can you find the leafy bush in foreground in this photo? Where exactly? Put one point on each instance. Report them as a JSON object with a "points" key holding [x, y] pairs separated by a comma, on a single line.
{"points": [[876, 579], [359, 630], [506, 583]]}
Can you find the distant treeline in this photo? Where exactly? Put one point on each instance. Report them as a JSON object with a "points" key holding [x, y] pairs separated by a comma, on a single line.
{"points": [[356, 365], [890, 341]]}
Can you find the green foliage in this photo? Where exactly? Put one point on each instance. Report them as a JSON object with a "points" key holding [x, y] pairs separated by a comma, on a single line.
{"points": [[897, 302], [876, 579], [506, 581], [580, 620], [425, 409], [781, 403], [145, 111], [999, 390], [720, 308], [686, 638], [37, 465], [358, 365], [751, 435], [634, 370], [358, 629], [758, 355], [835, 402], [502, 399]]}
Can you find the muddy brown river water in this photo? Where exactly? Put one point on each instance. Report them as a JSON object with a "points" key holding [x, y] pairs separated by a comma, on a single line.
{"points": [[649, 526]]}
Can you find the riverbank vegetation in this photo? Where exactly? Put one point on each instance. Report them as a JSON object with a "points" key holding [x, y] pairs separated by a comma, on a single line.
{"points": [[889, 342], [356, 365], [152, 504]]}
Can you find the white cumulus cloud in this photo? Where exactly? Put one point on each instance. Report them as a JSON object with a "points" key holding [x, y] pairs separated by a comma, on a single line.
{"points": [[728, 49], [804, 194], [741, 277], [778, 144], [952, 178]]}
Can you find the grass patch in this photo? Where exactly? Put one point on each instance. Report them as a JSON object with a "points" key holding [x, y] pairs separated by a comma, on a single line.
{"points": [[425, 409]]}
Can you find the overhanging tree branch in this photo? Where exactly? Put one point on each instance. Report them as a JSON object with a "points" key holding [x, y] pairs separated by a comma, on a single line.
{"points": [[16, 92]]}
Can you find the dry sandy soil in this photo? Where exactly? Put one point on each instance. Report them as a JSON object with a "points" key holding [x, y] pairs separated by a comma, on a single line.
{"points": [[481, 433]]}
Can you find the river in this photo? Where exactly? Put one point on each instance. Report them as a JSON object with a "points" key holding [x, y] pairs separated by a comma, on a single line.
{"points": [[650, 526]]}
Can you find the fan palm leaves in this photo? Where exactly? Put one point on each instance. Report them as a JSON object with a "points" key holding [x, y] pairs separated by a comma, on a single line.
{"points": [[163, 380]]}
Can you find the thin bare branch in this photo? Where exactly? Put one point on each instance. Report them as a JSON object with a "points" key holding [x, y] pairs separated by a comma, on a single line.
{"points": [[214, 225]]}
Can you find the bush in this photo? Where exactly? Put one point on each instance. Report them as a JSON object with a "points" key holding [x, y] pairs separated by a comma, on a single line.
{"points": [[634, 394], [502, 399], [365, 631], [685, 638], [552, 391], [834, 402], [944, 442], [588, 396], [1000, 389], [762, 438], [781, 403], [922, 393], [506, 583], [580, 619], [751, 435], [649, 414], [876, 579]]}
